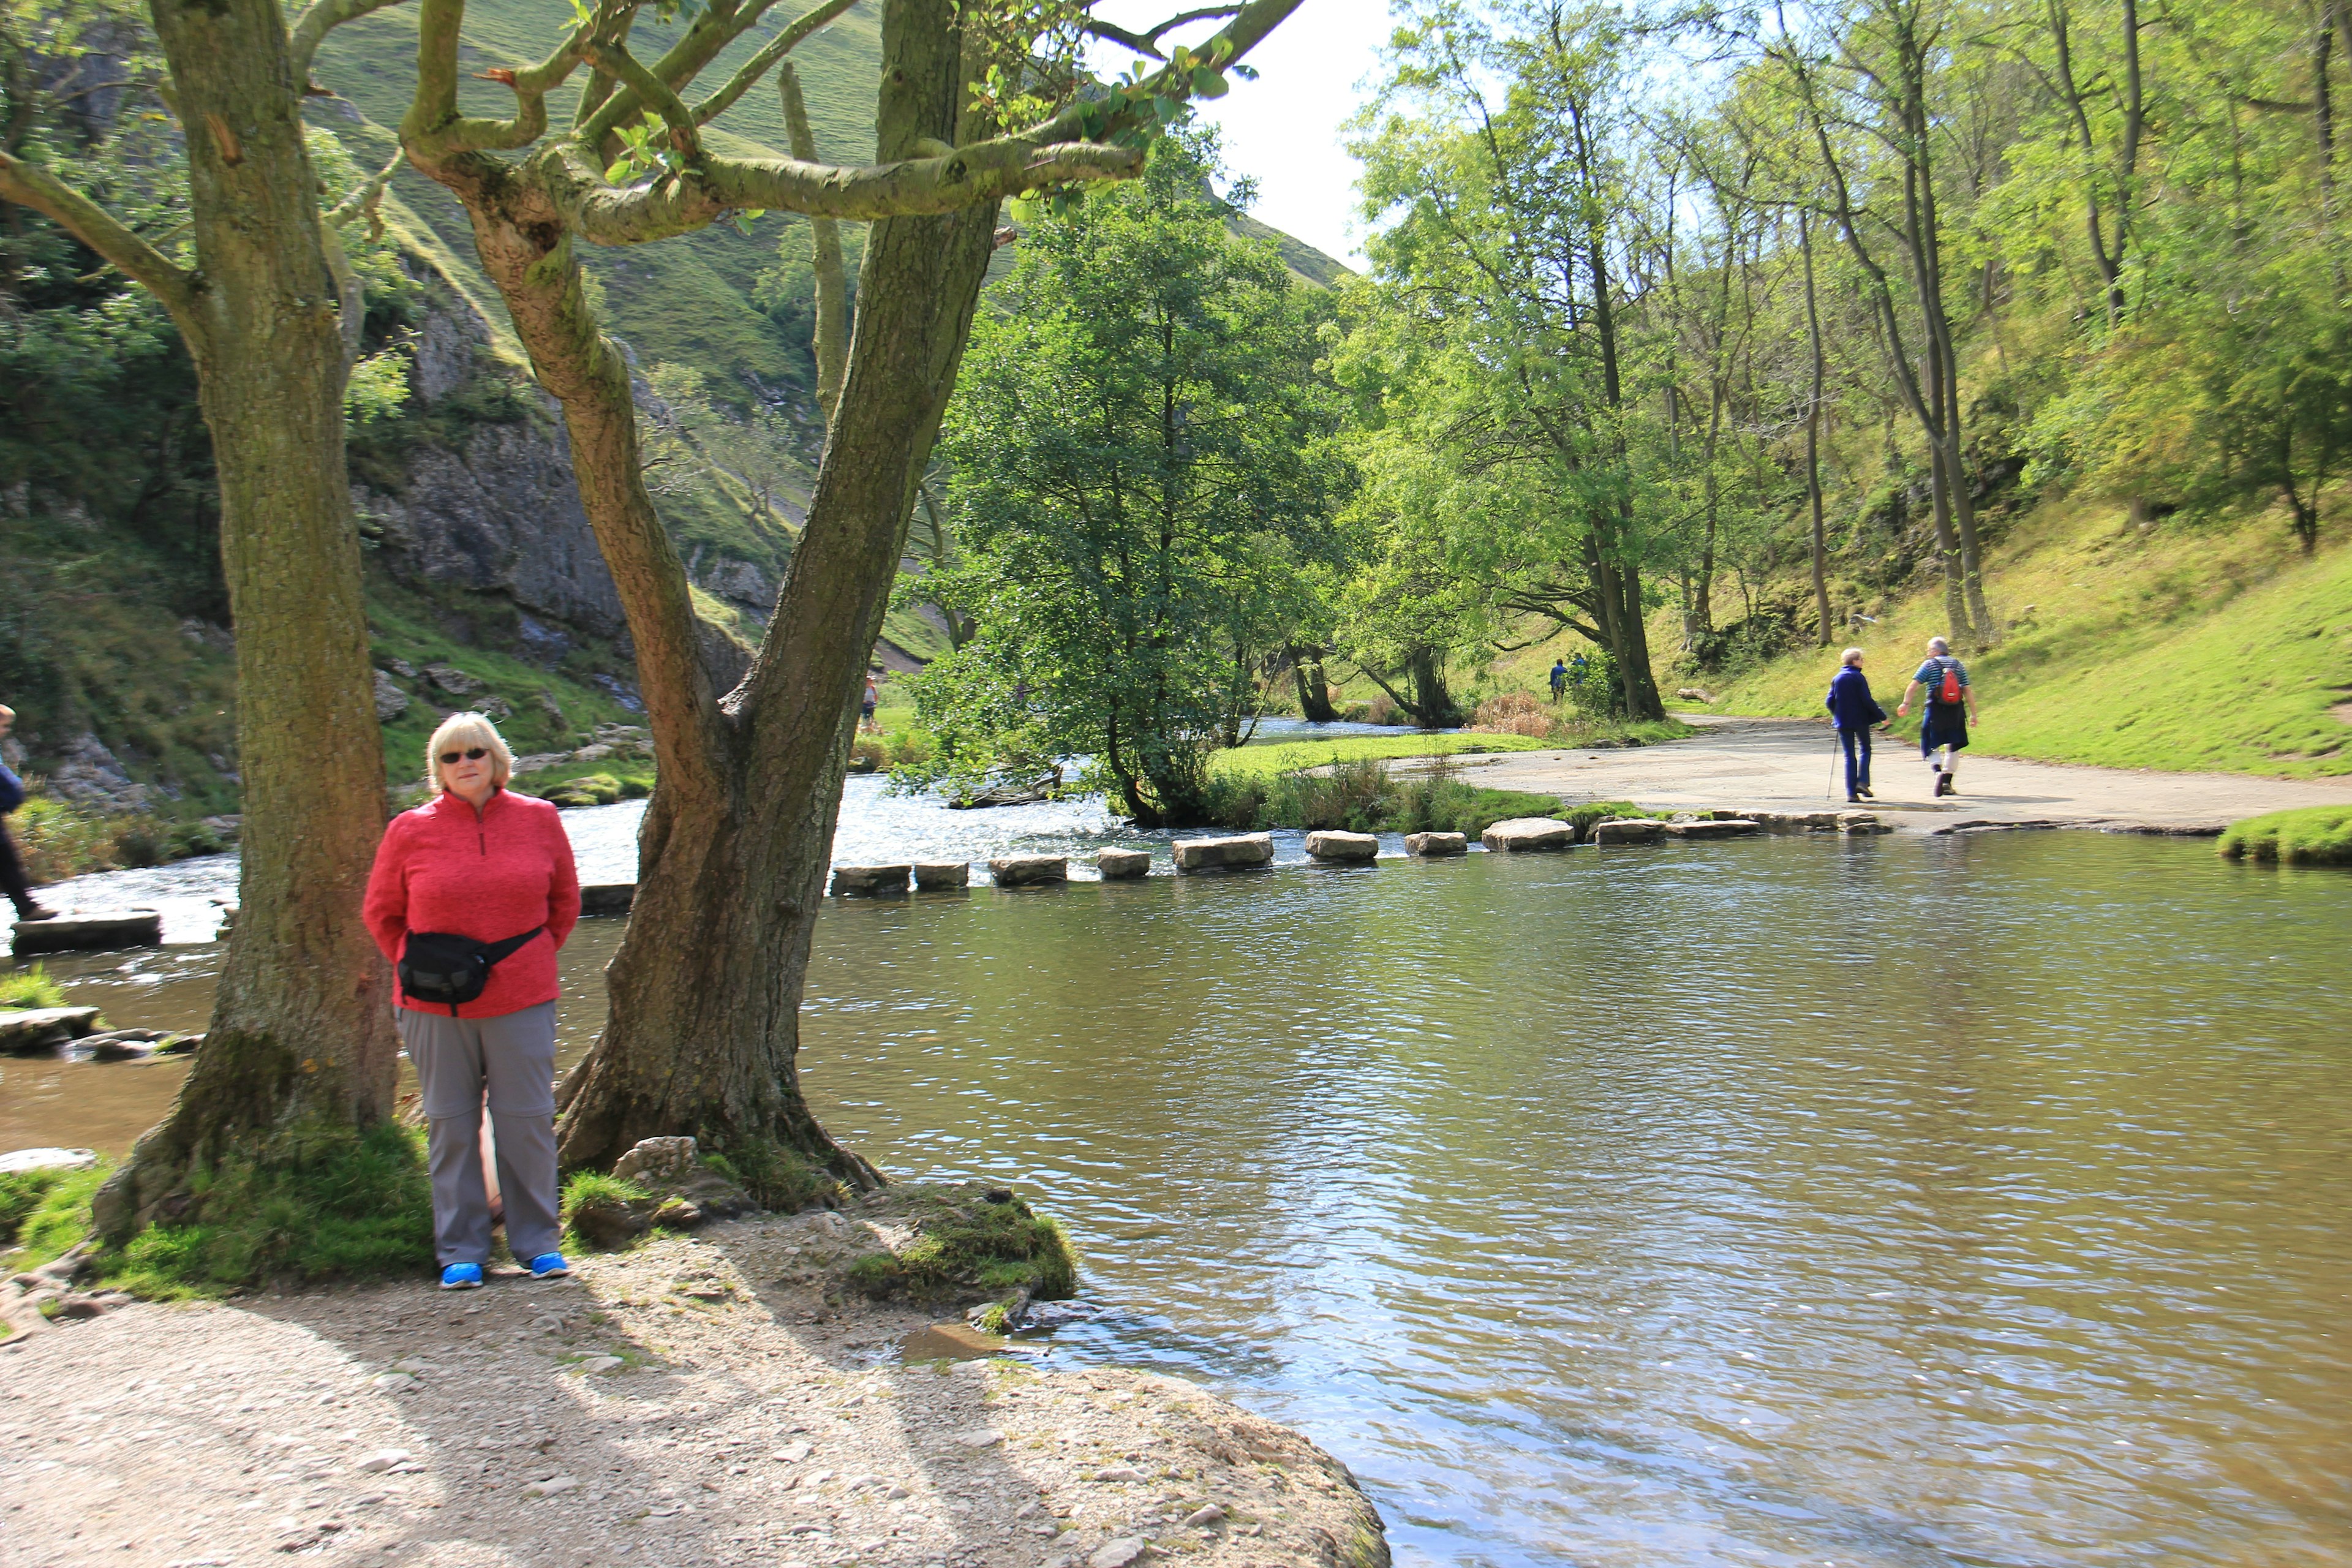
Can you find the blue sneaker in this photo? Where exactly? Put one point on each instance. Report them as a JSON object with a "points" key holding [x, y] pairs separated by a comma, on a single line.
{"points": [[462, 1277], [546, 1266]]}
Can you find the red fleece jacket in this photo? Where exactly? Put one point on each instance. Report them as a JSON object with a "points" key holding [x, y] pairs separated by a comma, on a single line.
{"points": [[489, 875]]}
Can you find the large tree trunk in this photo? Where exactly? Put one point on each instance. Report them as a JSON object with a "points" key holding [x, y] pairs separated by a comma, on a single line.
{"points": [[1314, 691], [733, 859], [300, 1033], [1813, 436]]}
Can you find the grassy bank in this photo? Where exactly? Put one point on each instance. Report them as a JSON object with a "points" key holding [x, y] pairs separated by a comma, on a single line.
{"points": [[2315, 836], [2189, 647]]}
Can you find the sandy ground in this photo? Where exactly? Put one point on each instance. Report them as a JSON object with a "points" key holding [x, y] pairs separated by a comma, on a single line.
{"points": [[1784, 764], [700, 1400]]}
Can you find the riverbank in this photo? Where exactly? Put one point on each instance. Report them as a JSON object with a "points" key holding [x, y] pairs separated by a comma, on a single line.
{"points": [[1787, 764], [719, 1397]]}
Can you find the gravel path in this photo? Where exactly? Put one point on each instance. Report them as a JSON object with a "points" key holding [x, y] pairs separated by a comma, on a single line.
{"points": [[1784, 764], [713, 1399]]}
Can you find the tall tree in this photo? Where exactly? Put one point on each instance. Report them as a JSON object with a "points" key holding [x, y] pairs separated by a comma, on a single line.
{"points": [[300, 1040], [704, 1029]]}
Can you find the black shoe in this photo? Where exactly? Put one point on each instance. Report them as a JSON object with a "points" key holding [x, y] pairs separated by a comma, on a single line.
{"points": [[27, 913], [1943, 784], [1852, 799], [1866, 793]]}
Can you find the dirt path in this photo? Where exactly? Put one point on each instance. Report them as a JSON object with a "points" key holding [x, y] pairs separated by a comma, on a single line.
{"points": [[1784, 764], [699, 1400]]}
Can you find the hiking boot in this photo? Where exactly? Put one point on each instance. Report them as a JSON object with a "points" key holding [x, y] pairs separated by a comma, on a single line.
{"points": [[27, 913], [1943, 784]]}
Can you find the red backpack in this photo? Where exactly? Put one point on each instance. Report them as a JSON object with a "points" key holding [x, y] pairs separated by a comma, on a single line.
{"points": [[1947, 690]]}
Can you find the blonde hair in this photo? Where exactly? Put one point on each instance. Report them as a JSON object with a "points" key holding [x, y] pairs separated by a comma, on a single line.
{"points": [[460, 730], [1850, 656]]}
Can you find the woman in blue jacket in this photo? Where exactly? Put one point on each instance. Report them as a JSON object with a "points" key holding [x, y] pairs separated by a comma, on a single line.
{"points": [[1853, 710], [13, 881]]}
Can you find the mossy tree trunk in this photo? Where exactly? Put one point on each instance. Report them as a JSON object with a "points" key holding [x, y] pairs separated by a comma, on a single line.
{"points": [[300, 1042]]}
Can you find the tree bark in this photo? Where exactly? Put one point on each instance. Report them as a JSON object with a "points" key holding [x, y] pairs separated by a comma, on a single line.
{"points": [[1314, 690], [1813, 436], [300, 1038]]}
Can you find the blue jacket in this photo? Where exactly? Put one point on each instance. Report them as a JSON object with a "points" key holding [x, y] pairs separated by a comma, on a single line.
{"points": [[12, 791], [1850, 705]]}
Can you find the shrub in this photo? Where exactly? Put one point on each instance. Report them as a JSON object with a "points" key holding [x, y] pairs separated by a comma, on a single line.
{"points": [[1516, 713], [594, 789], [868, 755], [2311, 836], [31, 988]]}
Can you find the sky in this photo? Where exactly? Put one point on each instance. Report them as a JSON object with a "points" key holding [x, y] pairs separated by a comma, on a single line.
{"points": [[1284, 128]]}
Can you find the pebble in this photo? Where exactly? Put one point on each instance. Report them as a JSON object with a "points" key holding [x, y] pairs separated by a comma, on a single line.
{"points": [[382, 1459], [603, 1363], [393, 1381], [551, 1487], [1117, 1473], [1205, 1518], [1119, 1553], [792, 1453], [986, 1437]]}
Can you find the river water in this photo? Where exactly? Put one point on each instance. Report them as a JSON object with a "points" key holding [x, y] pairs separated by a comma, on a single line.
{"points": [[1892, 1202]]}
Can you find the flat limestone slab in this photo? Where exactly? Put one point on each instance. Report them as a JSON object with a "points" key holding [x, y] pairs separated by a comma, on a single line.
{"points": [[1520, 835], [1628, 830], [1029, 870], [1123, 865], [1797, 821], [23, 1029], [942, 874], [1733, 827], [1430, 846], [1239, 852], [1346, 848], [870, 882], [607, 898], [90, 933]]}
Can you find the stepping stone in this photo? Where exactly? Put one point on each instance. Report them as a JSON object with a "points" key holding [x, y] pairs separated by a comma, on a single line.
{"points": [[1520, 835], [1239, 852], [23, 1159], [1123, 865], [1347, 849], [26, 1030], [1029, 870], [1861, 824], [90, 933], [942, 874], [607, 898], [1733, 827], [1628, 830], [1429, 845], [1796, 821], [870, 881]]}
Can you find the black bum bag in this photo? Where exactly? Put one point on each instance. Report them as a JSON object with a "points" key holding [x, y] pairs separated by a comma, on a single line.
{"points": [[447, 971]]}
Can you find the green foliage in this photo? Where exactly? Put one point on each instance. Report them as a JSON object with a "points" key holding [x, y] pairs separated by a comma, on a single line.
{"points": [[983, 1248], [58, 1216], [31, 988], [330, 1204], [22, 1193], [2314, 836], [779, 1179], [1270, 759], [1143, 492], [1362, 797]]}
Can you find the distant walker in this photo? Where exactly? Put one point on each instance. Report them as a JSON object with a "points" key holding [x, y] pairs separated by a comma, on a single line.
{"points": [[1951, 709], [1853, 710]]}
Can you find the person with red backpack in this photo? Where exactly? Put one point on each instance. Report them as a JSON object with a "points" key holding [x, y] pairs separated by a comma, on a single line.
{"points": [[1951, 709]]}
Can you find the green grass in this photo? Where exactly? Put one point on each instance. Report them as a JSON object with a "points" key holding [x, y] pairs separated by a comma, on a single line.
{"points": [[1278, 757], [31, 988], [2195, 647], [2314, 836], [51, 1213]]}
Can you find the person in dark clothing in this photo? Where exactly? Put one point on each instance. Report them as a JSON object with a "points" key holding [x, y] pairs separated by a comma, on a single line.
{"points": [[1559, 679], [12, 880], [1943, 724], [1853, 710]]}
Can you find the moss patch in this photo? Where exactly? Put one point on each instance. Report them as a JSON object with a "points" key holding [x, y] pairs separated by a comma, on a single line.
{"points": [[971, 1243], [31, 988], [51, 1212], [2314, 836]]}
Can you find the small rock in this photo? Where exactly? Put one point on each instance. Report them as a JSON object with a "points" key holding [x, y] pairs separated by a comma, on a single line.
{"points": [[1029, 870], [1119, 1553], [449, 679], [810, 1481], [793, 1453], [393, 1381], [1205, 1518], [1240, 851], [1123, 865], [1118, 1473], [552, 1486], [603, 1363], [1353, 848], [382, 1459], [986, 1437], [26, 1030]]}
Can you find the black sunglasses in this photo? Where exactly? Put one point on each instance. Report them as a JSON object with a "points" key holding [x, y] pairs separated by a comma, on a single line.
{"points": [[471, 753]]}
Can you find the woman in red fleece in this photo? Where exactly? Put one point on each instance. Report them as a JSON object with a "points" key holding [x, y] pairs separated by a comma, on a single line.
{"points": [[477, 861]]}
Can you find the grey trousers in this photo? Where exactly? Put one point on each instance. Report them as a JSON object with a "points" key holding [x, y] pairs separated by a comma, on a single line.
{"points": [[512, 1056]]}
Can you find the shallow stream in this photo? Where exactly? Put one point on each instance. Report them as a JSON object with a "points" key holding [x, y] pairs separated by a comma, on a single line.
{"points": [[1889, 1202]]}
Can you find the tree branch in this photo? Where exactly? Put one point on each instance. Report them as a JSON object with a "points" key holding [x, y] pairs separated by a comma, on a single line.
{"points": [[831, 346], [1251, 24], [774, 49], [30, 186], [316, 20], [615, 60], [1147, 42]]}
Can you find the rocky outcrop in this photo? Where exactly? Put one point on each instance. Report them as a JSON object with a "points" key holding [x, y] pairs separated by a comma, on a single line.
{"points": [[89, 774], [1240, 852], [391, 701]]}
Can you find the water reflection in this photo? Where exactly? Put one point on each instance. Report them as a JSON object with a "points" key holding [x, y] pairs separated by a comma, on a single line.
{"points": [[1890, 1203]]}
